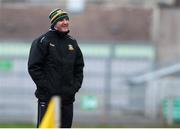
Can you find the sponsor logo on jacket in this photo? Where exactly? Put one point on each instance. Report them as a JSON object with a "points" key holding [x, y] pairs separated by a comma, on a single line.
{"points": [[52, 45]]}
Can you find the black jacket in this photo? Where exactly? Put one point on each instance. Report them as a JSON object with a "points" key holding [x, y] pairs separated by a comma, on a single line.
{"points": [[56, 66]]}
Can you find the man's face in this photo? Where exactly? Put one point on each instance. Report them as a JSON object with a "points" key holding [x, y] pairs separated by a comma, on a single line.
{"points": [[62, 26]]}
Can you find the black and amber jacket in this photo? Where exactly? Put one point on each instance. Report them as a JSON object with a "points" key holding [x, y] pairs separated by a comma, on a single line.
{"points": [[56, 66]]}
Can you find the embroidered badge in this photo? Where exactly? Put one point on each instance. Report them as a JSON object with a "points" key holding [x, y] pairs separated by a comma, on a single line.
{"points": [[70, 47], [52, 45]]}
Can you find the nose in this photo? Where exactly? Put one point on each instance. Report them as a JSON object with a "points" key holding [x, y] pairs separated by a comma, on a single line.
{"points": [[65, 21]]}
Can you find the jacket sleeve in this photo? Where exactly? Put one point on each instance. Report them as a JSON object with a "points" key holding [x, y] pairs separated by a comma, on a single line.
{"points": [[36, 61], [78, 70]]}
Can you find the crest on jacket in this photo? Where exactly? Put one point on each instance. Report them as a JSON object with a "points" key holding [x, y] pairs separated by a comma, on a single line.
{"points": [[70, 47]]}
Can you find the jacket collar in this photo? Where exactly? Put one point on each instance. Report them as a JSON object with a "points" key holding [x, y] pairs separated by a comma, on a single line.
{"points": [[60, 34]]}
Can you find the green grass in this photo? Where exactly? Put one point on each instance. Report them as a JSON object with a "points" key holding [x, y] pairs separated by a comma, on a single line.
{"points": [[126, 126], [17, 125], [75, 125]]}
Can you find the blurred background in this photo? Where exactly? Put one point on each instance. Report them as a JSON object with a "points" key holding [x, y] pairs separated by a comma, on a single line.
{"points": [[132, 61]]}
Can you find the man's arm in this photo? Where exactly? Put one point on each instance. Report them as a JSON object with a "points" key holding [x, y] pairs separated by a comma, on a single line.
{"points": [[38, 53], [78, 70]]}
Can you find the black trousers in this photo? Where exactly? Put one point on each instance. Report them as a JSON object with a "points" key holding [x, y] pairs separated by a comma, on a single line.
{"points": [[66, 113]]}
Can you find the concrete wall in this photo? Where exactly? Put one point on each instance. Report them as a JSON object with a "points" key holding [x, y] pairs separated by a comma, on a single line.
{"points": [[168, 39]]}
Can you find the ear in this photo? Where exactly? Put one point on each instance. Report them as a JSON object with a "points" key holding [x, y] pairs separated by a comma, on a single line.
{"points": [[55, 27]]}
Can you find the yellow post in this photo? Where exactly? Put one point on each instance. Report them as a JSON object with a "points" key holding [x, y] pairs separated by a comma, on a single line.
{"points": [[51, 117]]}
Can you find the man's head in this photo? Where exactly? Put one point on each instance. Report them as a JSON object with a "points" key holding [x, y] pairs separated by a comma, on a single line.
{"points": [[59, 20]]}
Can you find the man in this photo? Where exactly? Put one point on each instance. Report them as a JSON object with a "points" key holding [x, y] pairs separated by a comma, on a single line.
{"points": [[56, 66]]}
